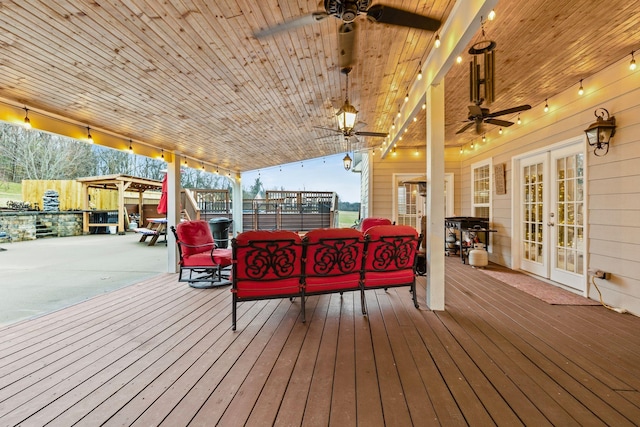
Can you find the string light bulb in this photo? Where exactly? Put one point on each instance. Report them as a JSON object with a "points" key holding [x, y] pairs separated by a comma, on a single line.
{"points": [[580, 89], [484, 138], [415, 119], [546, 105], [519, 121], [500, 131], [399, 114], [472, 145], [420, 70], [437, 42], [632, 64], [27, 121], [89, 137], [461, 149], [406, 98], [424, 106], [492, 15], [459, 59]]}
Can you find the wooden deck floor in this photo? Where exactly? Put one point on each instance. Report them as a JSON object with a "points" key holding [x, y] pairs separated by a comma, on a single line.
{"points": [[161, 353]]}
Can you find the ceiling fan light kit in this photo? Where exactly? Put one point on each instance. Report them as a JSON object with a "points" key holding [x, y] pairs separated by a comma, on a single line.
{"points": [[347, 117]]}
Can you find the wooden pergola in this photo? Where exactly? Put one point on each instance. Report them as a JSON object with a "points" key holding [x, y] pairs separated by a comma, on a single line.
{"points": [[118, 182]]}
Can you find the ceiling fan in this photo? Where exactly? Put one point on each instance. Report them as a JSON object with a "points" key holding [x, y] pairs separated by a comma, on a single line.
{"points": [[351, 136], [347, 11], [478, 116], [346, 118]]}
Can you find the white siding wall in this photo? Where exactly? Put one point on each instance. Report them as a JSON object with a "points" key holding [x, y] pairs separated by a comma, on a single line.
{"points": [[365, 174], [613, 181], [383, 190], [380, 194]]}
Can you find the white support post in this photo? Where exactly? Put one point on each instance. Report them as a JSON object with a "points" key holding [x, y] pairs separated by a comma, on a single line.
{"points": [[173, 211], [435, 196], [237, 206]]}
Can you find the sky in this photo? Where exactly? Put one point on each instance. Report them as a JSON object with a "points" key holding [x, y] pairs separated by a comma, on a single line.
{"points": [[323, 174]]}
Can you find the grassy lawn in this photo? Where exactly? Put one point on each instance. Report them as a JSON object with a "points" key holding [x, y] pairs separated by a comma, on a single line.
{"points": [[347, 218], [9, 191]]}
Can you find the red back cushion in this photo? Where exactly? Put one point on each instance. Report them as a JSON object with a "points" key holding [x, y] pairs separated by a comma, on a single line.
{"points": [[268, 263], [333, 259], [196, 236], [367, 223], [390, 248]]}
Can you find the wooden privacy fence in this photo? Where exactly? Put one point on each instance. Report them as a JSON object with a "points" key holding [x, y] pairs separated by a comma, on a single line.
{"points": [[70, 195]]}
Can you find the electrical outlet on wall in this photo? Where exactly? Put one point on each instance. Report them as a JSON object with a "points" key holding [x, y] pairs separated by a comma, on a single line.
{"points": [[598, 274]]}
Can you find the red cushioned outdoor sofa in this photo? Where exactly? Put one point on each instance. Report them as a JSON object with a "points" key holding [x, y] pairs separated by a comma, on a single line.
{"points": [[201, 262], [278, 264]]}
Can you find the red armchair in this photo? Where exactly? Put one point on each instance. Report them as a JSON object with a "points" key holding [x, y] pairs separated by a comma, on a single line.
{"points": [[367, 223], [390, 259], [201, 262]]}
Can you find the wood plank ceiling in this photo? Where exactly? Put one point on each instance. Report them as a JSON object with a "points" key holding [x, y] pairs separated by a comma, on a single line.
{"points": [[189, 76]]}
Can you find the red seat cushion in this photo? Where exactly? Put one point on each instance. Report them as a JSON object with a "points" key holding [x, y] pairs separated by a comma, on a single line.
{"points": [[333, 259], [268, 263], [194, 237], [221, 257]]}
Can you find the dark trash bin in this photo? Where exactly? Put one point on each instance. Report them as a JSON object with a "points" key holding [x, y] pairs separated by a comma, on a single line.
{"points": [[220, 230]]}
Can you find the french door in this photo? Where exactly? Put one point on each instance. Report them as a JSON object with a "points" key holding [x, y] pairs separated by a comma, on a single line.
{"points": [[551, 210]]}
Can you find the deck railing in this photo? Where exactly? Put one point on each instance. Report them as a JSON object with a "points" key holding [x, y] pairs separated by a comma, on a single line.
{"points": [[280, 210]]}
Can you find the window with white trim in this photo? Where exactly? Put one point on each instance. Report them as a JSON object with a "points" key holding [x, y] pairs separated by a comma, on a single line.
{"points": [[481, 189]]}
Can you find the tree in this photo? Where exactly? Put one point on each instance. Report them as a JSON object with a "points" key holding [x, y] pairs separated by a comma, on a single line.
{"points": [[30, 154], [253, 190]]}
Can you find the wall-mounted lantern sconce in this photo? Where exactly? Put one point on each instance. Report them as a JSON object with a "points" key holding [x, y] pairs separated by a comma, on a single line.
{"points": [[599, 133]]}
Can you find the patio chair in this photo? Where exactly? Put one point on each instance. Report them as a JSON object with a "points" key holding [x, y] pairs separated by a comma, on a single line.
{"points": [[201, 261], [367, 223], [390, 258]]}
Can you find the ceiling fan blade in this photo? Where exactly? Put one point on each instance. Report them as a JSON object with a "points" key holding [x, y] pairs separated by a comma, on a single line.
{"points": [[465, 127], [380, 134], [359, 125], [403, 18], [291, 24], [346, 41], [475, 111], [509, 111], [324, 137], [499, 122], [478, 124], [329, 129]]}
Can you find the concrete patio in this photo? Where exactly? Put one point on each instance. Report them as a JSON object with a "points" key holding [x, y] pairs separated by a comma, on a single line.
{"points": [[45, 275]]}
